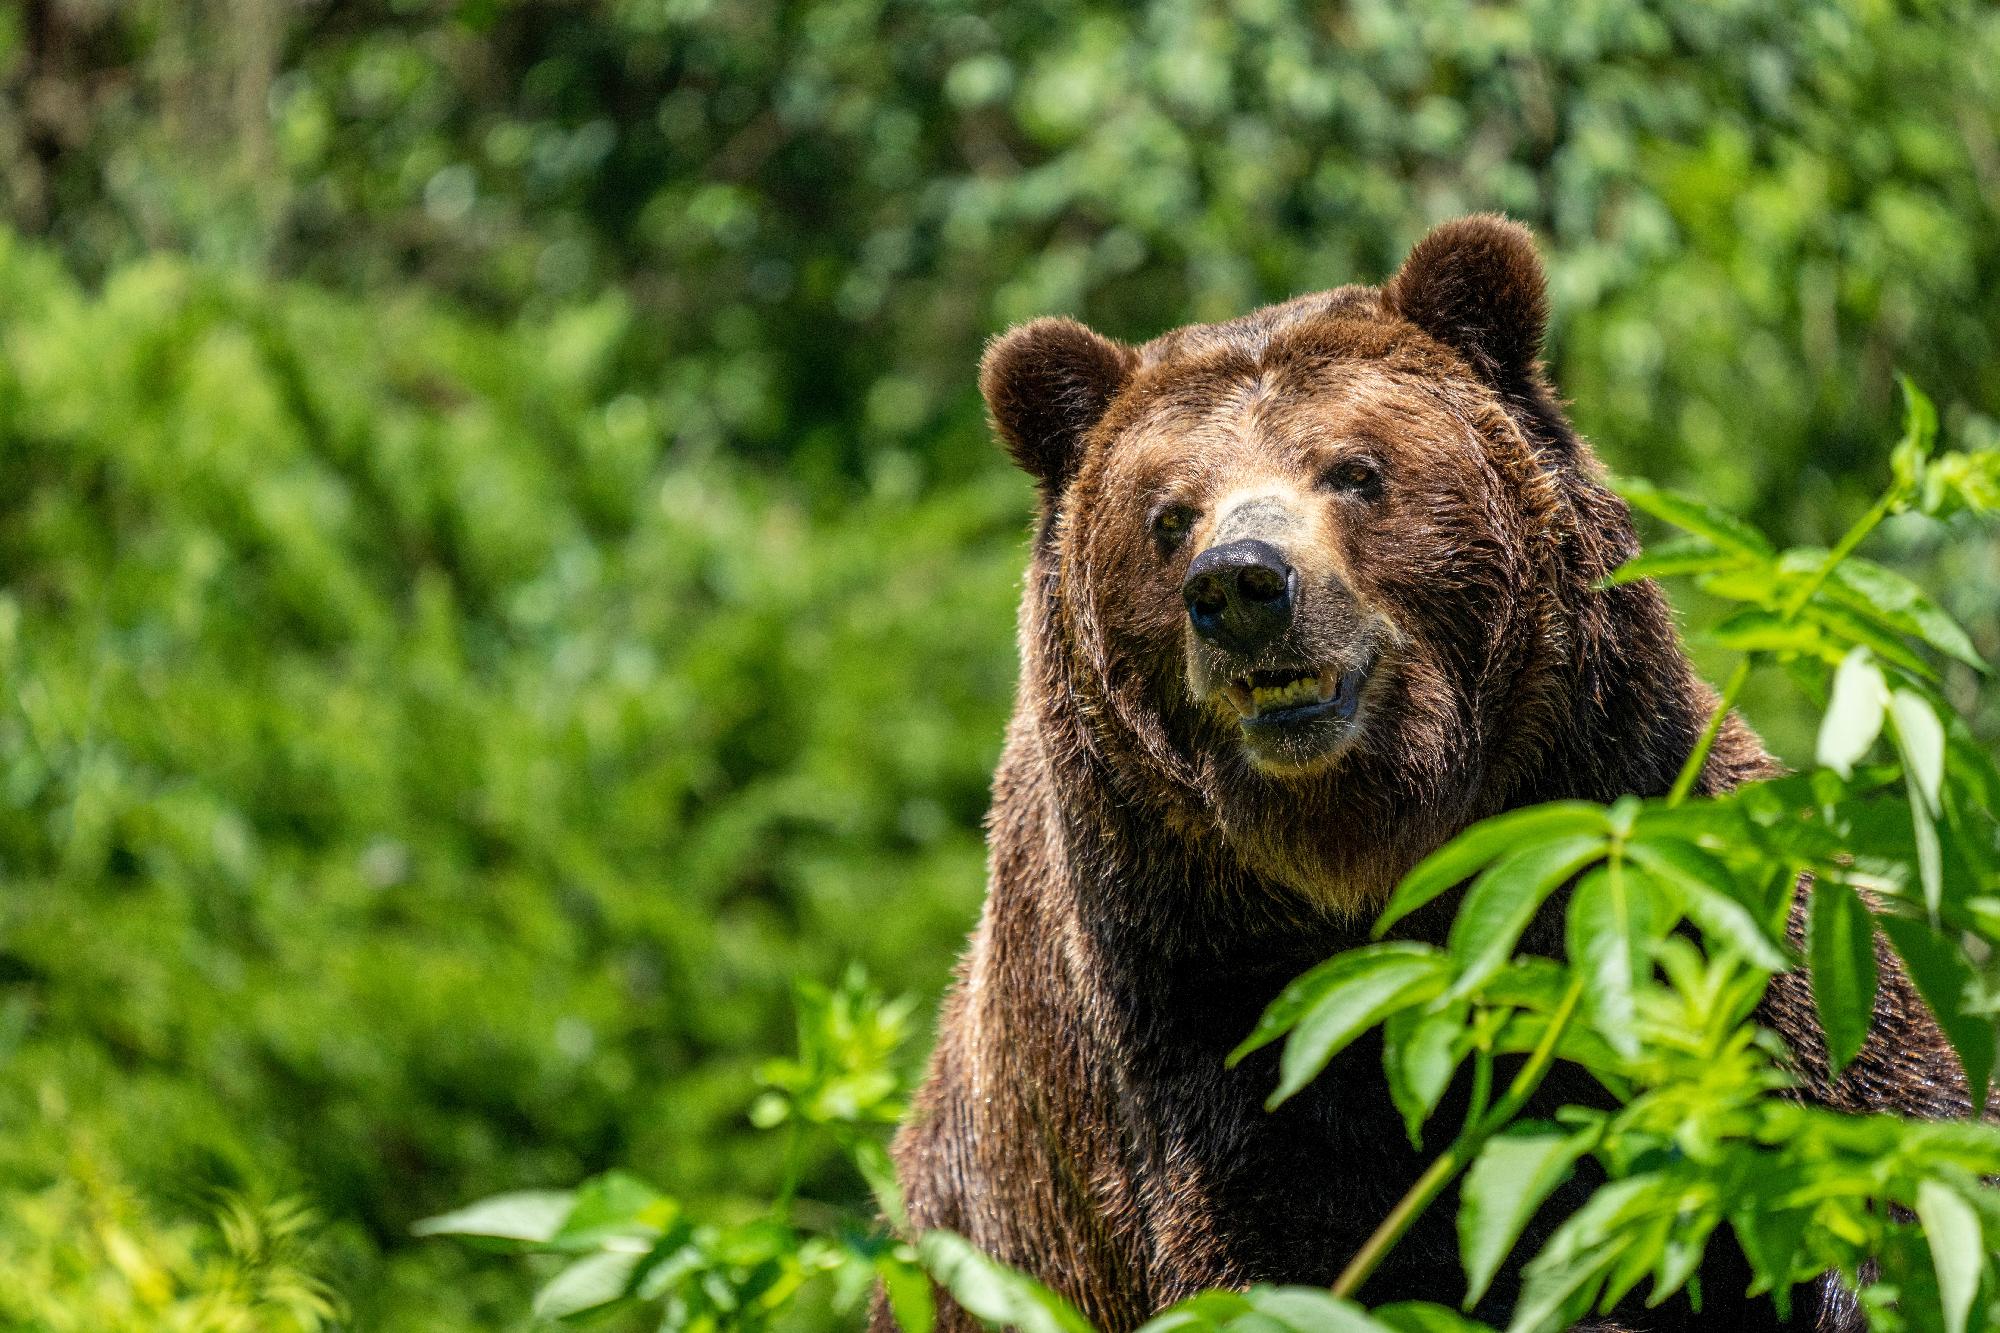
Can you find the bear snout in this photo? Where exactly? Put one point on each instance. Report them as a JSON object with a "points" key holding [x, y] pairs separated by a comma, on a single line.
{"points": [[1240, 595]]}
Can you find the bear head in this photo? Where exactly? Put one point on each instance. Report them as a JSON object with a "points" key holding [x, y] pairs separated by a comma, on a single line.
{"points": [[1309, 584]]}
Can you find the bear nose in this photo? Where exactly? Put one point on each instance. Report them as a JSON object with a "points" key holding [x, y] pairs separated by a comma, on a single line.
{"points": [[1239, 595]]}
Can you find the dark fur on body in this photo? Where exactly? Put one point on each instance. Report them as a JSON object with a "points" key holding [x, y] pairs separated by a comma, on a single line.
{"points": [[1152, 889]]}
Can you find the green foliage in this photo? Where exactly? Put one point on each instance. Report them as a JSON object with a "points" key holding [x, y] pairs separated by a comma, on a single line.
{"points": [[500, 571]]}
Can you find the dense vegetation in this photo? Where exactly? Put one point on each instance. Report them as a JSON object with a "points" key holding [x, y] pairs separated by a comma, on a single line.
{"points": [[500, 570]]}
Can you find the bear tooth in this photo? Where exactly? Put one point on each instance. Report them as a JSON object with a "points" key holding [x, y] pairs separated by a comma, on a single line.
{"points": [[1239, 698], [1329, 681]]}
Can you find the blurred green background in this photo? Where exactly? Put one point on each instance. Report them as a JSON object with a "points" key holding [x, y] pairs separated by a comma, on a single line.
{"points": [[501, 568]]}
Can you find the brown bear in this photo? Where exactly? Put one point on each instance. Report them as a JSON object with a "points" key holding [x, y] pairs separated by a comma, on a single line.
{"points": [[1311, 591]]}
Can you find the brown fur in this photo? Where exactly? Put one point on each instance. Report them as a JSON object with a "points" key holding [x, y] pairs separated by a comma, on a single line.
{"points": [[1153, 884]]}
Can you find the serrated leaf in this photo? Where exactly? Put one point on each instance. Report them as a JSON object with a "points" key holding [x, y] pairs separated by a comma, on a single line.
{"points": [[1840, 940], [527, 1215], [1610, 919], [1462, 857], [1708, 896], [1350, 1008], [1513, 1174], [1854, 714], [1958, 1251], [1872, 589], [990, 1291], [594, 1281], [1947, 984], [1304, 991], [1692, 515], [1504, 899]]}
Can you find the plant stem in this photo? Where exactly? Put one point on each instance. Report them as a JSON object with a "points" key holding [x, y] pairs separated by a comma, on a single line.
{"points": [[1454, 1159], [1841, 550]]}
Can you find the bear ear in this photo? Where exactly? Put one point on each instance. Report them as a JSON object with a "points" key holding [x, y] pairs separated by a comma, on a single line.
{"points": [[1476, 285], [1046, 384]]}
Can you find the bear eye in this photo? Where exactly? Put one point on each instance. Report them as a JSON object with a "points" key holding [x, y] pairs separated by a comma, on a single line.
{"points": [[1171, 523], [1359, 476]]}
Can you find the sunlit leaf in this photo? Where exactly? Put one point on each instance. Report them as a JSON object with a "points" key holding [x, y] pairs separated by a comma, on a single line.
{"points": [[1348, 1009], [1695, 516], [1906, 460], [527, 1215], [990, 1291], [594, 1281], [1420, 1051], [1957, 1248], [1513, 1174], [1679, 555], [1610, 921], [1854, 715], [1305, 991], [1871, 589], [1504, 899], [1920, 740], [907, 1288], [1709, 897]]}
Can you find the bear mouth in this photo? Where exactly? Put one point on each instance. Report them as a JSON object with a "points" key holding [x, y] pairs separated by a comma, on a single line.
{"points": [[1268, 700]]}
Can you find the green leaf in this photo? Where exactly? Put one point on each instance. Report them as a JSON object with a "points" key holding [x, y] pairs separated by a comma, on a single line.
{"points": [[1679, 555], [1420, 1052], [907, 1289], [1958, 1251], [1516, 1170], [1304, 991], [1423, 1317], [1920, 739], [592, 1282], [1610, 920], [531, 1216], [1870, 589], [1755, 630], [1948, 985], [1462, 857], [1840, 940], [1708, 895], [993, 1293], [1504, 899], [1906, 460], [1692, 515], [1854, 629], [1350, 1008], [1854, 714], [1308, 1310], [613, 1204]]}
